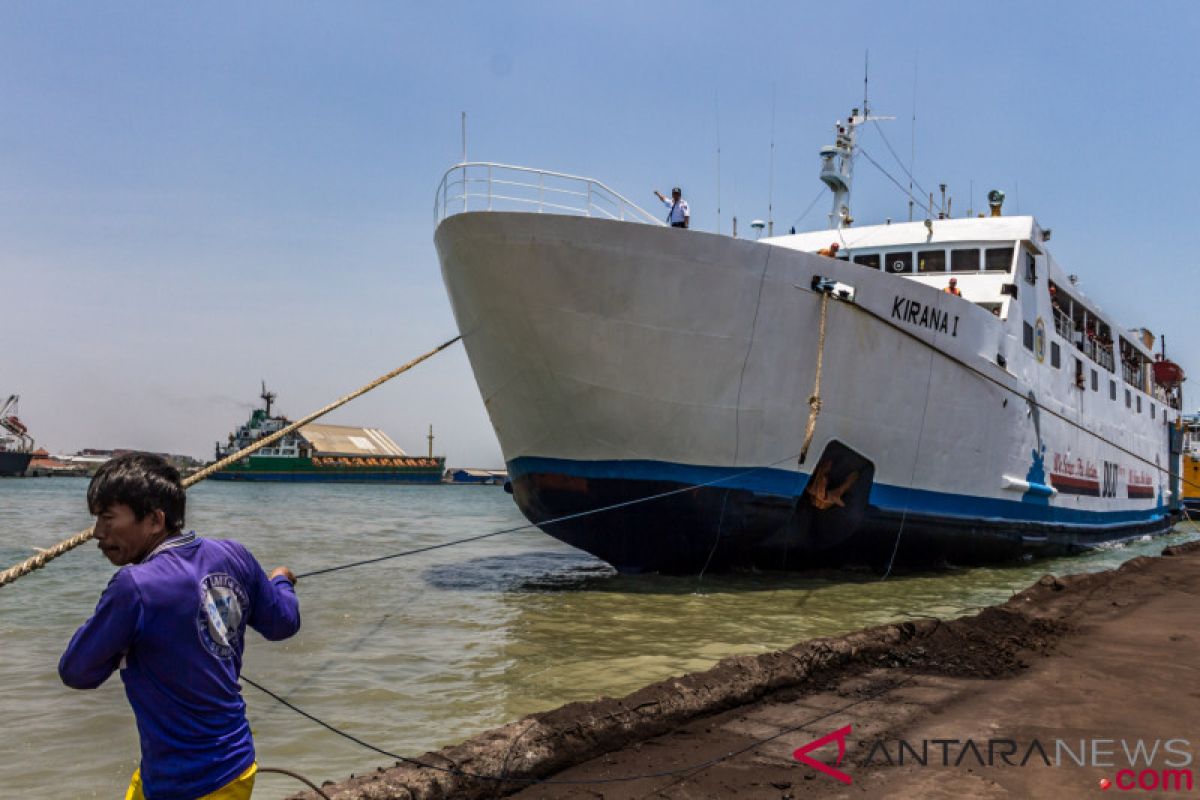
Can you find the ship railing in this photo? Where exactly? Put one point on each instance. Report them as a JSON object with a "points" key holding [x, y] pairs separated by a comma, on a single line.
{"points": [[484, 186], [1132, 375], [1099, 353], [1062, 324]]}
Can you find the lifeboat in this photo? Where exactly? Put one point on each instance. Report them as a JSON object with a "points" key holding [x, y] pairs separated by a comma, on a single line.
{"points": [[1167, 373]]}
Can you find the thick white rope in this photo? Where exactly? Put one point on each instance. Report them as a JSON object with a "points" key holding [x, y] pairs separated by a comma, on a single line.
{"points": [[44, 557]]}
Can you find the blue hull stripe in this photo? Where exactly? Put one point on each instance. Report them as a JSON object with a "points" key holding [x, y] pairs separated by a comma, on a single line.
{"points": [[888, 499]]}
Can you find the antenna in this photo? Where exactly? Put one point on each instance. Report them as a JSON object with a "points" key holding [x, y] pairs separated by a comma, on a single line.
{"points": [[771, 178], [718, 105], [866, 81], [464, 136], [912, 137]]}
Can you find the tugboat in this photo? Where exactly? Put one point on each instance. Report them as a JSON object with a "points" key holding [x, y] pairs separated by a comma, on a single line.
{"points": [[926, 392], [323, 453], [16, 445]]}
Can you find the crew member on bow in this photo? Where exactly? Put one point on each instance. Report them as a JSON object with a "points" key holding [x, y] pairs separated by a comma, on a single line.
{"points": [[680, 215]]}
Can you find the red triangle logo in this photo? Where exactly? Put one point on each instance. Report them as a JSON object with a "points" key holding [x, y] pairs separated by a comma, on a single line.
{"points": [[801, 754]]}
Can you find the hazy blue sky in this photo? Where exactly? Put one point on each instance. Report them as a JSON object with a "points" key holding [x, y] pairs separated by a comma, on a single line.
{"points": [[194, 197]]}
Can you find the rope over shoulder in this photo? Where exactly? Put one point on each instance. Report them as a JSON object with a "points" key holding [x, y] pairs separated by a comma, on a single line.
{"points": [[44, 557]]}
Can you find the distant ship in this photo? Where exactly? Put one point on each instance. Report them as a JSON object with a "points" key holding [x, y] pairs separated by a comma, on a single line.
{"points": [[323, 454], [16, 445], [740, 403], [1190, 470]]}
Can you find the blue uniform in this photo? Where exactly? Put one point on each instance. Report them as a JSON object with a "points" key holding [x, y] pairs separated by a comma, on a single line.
{"points": [[175, 625]]}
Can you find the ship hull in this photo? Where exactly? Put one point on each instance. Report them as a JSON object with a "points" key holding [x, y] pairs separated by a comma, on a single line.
{"points": [[689, 527], [668, 373], [14, 464]]}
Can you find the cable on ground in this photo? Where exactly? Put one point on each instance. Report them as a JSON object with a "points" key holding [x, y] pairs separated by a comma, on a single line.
{"points": [[624, 779]]}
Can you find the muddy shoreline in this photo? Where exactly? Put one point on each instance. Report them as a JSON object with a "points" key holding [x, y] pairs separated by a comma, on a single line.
{"points": [[891, 680]]}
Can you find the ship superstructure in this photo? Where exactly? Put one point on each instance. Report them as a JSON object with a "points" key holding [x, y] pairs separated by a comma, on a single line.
{"points": [[674, 374]]}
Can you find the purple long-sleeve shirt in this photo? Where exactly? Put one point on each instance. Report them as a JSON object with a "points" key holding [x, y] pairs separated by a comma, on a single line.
{"points": [[175, 625]]}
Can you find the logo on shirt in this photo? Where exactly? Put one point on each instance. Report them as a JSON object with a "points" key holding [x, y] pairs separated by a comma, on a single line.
{"points": [[223, 604]]}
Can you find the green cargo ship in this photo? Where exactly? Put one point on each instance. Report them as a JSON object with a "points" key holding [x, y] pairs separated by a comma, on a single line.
{"points": [[323, 453]]}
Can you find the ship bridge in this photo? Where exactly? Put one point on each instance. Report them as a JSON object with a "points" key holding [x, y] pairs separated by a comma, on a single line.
{"points": [[981, 253]]}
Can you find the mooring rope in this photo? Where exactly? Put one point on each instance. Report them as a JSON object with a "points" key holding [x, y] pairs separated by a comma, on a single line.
{"points": [[298, 777], [41, 559], [814, 400]]}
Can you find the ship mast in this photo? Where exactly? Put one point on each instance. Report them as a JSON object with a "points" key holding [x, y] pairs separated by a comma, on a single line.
{"points": [[267, 397], [837, 165], [837, 160]]}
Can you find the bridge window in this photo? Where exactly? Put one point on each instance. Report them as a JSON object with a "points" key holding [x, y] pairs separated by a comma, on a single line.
{"points": [[931, 261], [998, 259], [899, 262], [964, 260], [871, 260]]}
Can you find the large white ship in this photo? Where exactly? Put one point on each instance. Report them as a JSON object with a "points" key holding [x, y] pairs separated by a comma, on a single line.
{"points": [[784, 409]]}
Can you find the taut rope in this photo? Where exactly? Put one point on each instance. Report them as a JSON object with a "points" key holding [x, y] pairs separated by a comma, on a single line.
{"points": [[814, 400], [41, 559]]}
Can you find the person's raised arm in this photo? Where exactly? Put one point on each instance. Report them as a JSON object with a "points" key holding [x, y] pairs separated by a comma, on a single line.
{"points": [[274, 607]]}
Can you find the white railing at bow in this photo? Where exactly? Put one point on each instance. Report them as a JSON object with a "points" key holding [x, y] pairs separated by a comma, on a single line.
{"points": [[481, 186]]}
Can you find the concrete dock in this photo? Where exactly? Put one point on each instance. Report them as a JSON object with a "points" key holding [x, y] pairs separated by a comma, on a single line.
{"points": [[1076, 685]]}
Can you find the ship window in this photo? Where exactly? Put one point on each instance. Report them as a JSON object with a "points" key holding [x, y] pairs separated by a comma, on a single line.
{"points": [[1027, 335], [1095, 381], [998, 259], [1055, 355], [1128, 399], [964, 260], [931, 261], [899, 262], [1112, 390], [1153, 410], [871, 260], [1079, 379], [1030, 268], [1139, 404]]}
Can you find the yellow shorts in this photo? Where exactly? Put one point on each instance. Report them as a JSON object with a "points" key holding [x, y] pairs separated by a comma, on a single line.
{"points": [[237, 789]]}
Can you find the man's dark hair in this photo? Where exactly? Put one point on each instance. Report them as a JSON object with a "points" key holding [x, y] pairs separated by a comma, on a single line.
{"points": [[144, 482]]}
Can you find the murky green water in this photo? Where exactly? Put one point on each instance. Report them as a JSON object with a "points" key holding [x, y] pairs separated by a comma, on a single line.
{"points": [[418, 652]]}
